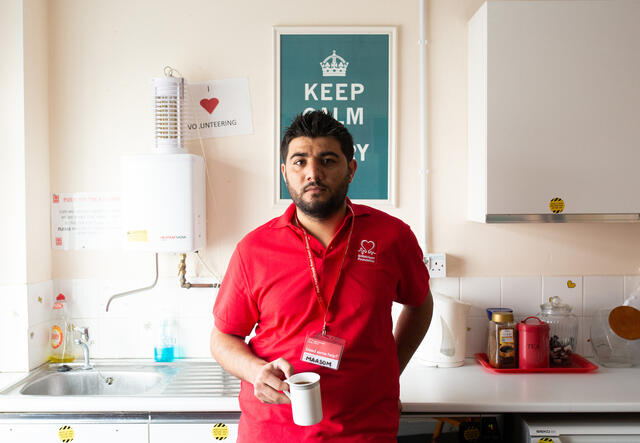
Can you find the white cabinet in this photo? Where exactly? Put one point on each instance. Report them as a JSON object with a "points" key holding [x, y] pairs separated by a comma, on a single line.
{"points": [[196, 432], [198, 427], [110, 427], [71, 431], [554, 111]]}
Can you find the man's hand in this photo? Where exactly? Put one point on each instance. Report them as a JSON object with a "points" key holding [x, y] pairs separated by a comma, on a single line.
{"points": [[268, 382]]}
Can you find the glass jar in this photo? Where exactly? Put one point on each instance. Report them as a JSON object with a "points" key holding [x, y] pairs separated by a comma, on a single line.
{"points": [[502, 344], [563, 331], [611, 348]]}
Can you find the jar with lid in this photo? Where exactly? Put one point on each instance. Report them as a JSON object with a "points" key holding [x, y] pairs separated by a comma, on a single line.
{"points": [[563, 330], [501, 341]]}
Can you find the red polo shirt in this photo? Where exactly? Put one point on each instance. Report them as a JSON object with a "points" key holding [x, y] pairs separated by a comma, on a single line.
{"points": [[268, 283]]}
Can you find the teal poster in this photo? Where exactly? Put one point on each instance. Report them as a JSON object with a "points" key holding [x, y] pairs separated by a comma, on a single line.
{"points": [[348, 76]]}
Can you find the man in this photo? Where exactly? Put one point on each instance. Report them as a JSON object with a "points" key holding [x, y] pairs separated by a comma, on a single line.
{"points": [[326, 271]]}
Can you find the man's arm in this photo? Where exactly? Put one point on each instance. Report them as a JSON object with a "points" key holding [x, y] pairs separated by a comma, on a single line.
{"points": [[411, 327], [235, 356]]}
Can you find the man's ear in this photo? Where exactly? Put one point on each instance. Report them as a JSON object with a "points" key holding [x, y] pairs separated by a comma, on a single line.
{"points": [[353, 165], [283, 171]]}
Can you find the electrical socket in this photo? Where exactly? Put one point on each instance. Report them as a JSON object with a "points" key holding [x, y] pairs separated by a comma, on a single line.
{"points": [[436, 264]]}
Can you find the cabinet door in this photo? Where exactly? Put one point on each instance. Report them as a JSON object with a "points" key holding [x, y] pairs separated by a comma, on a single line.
{"points": [[195, 432], [26, 431], [553, 108]]}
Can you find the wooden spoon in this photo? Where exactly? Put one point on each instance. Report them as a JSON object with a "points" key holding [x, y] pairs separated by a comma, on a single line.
{"points": [[625, 322]]}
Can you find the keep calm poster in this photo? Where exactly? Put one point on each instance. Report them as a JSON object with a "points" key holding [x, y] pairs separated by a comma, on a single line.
{"points": [[348, 75]]}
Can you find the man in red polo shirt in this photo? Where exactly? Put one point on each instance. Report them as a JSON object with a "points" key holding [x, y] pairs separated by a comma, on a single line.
{"points": [[330, 270]]}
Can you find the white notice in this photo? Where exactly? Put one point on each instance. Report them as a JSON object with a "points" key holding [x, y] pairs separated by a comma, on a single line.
{"points": [[86, 221], [218, 108]]}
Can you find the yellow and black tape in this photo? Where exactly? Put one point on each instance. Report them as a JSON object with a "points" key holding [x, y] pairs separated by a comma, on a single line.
{"points": [[546, 440], [220, 431], [66, 434], [556, 205]]}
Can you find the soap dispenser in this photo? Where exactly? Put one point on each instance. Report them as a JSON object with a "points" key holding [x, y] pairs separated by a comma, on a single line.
{"points": [[61, 348]]}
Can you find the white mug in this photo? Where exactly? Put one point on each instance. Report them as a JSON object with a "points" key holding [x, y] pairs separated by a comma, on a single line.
{"points": [[306, 403]]}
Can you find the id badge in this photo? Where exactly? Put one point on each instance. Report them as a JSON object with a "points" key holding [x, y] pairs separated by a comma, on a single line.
{"points": [[323, 350]]}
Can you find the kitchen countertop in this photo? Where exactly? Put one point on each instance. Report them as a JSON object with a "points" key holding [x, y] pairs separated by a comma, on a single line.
{"points": [[466, 389], [471, 388]]}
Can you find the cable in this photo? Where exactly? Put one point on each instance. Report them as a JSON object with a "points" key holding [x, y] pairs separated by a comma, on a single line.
{"points": [[216, 276]]}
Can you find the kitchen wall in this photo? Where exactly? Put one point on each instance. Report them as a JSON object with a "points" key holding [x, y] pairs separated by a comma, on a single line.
{"points": [[25, 262], [101, 58]]}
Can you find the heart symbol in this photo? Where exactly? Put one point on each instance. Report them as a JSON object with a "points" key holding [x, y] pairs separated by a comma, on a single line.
{"points": [[571, 284], [209, 104], [367, 245]]}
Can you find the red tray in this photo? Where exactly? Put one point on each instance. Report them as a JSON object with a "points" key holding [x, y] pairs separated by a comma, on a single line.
{"points": [[578, 364]]}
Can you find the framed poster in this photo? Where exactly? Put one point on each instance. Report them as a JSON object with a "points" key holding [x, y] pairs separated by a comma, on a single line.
{"points": [[348, 72]]}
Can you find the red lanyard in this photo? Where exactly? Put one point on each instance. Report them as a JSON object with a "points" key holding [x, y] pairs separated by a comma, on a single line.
{"points": [[314, 272]]}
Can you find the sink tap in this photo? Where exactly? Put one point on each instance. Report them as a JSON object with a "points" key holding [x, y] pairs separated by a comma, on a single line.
{"points": [[83, 341]]}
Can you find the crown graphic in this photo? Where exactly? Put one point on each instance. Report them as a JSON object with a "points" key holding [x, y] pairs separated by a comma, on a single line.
{"points": [[334, 66]]}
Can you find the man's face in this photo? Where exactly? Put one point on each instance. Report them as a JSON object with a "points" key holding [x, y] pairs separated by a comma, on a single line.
{"points": [[317, 175]]}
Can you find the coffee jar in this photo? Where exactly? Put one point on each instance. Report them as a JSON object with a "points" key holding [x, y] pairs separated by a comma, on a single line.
{"points": [[563, 330], [501, 341]]}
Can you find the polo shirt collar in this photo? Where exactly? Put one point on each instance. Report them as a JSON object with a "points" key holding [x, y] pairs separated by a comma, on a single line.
{"points": [[285, 219]]}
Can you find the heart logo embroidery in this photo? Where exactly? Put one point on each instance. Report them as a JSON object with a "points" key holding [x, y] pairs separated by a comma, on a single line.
{"points": [[571, 284], [209, 104], [367, 245]]}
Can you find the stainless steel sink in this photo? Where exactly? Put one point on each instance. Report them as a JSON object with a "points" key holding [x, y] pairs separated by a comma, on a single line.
{"points": [[94, 383], [181, 378]]}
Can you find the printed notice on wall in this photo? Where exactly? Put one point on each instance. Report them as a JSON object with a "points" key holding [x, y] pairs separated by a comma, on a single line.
{"points": [[89, 221], [218, 108]]}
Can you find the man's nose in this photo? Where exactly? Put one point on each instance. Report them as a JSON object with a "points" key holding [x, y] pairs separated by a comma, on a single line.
{"points": [[314, 170]]}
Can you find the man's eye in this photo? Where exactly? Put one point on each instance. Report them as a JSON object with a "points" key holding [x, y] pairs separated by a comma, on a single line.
{"points": [[326, 161], [298, 162]]}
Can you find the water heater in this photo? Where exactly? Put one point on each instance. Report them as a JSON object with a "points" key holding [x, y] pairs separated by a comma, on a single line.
{"points": [[163, 193], [163, 202]]}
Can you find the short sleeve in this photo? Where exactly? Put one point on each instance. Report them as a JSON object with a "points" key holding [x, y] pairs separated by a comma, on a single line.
{"points": [[235, 311], [413, 284]]}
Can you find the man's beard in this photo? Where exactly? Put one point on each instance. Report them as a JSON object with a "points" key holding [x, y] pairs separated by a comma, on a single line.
{"points": [[321, 210]]}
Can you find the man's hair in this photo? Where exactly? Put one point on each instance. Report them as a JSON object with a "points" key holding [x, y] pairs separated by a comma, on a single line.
{"points": [[317, 124]]}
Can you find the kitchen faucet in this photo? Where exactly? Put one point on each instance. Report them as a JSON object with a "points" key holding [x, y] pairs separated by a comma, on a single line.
{"points": [[83, 341]]}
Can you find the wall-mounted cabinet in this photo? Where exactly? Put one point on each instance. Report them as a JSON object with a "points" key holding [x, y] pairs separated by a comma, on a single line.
{"points": [[554, 111]]}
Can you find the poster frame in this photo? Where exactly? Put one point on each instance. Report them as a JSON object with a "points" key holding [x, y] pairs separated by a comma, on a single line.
{"points": [[391, 31]]}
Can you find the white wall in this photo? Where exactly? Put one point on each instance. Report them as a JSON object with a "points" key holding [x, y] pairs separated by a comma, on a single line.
{"points": [[103, 55], [36, 140], [12, 148], [25, 264]]}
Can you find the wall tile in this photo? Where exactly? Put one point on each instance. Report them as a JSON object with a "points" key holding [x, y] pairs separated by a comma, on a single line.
{"points": [[196, 302], [38, 339], [602, 293], [449, 286], [569, 289], [481, 293], [40, 302], [129, 329], [631, 283], [123, 307], [584, 334], [522, 294], [477, 327], [148, 332], [15, 324], [194, 336], [118, 338]]}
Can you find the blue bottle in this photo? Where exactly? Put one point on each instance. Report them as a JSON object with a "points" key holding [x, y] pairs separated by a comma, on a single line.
{"points": [[164, 350]]}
